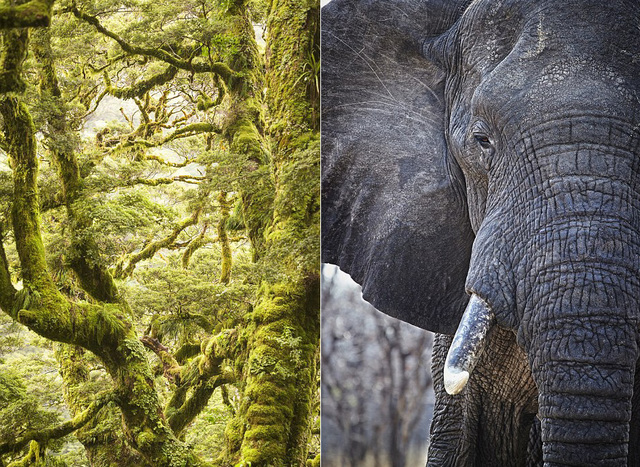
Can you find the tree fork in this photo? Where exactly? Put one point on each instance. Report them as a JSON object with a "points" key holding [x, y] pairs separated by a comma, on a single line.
{"points": [[151, 249], [102, 445]]}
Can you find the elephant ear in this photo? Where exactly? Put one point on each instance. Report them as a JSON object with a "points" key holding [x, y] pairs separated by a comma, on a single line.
{"points": [[394, 214]]}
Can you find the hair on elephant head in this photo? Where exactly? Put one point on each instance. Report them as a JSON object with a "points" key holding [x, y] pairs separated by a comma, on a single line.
{"points": [[490, 149]]}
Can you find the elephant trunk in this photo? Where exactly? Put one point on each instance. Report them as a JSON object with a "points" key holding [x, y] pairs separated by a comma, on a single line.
{"points": [[580, 332], [585, 425], [585, 374]]}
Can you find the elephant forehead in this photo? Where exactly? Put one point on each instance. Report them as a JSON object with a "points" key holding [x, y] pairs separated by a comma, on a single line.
{"points": [[536, 34]]}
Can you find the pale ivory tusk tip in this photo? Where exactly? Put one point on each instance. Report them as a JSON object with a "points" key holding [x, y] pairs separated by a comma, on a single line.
{"points": [[455, 380]]}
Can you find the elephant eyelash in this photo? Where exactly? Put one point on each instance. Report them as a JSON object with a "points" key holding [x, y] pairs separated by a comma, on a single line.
{"points": [[483, 140]]}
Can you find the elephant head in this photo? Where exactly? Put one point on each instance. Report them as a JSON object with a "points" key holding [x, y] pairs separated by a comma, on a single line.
{"points": [[490, 149]]}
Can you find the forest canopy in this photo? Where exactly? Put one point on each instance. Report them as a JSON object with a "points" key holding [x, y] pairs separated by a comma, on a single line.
{"points": [[159, 225]]}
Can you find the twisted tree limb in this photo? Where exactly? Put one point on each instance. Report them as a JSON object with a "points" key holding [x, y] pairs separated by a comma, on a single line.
{"points": [[220, 69], [202, 377], [59, 431], [139, 89], [170, 366], [153, 247], [164, 180]]}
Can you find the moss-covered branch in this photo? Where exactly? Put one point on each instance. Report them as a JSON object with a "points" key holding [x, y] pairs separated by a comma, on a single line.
{"points": [[13, 54], [20, 135], [43, 436], [142, 87], [203, 240], [200, 395], [170, 366], [102, 436], [202, 383], [199, 319], [35, 13], [7, 291], [220, 69], [33, 456], [164, 180], [130, 140], [153, 247], [163, 161], [193, 246], [187, 351], [191, 130]]}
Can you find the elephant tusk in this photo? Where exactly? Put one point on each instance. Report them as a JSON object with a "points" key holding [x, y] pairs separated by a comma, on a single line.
{"points": [[467, 344]]}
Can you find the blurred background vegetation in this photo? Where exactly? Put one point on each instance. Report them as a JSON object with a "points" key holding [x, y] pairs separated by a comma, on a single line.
{"points": [[377, 391]]}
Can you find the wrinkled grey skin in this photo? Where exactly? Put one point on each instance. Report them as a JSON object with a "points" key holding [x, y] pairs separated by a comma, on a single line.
{"points": [[491, 147]]}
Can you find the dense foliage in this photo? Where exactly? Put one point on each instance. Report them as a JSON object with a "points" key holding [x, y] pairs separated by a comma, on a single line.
{"points": [[159, 271]]}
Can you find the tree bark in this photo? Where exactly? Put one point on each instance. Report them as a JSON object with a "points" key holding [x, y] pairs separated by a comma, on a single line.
{"points": [[273, 423]]}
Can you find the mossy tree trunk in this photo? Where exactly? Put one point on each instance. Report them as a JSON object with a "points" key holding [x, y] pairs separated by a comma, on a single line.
{"points": [[245, 128], [273, 424], [102, 437], [223, 238], [102, 328], [28, 14]]}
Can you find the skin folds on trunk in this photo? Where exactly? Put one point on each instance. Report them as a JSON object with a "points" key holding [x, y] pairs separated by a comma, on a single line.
{"points": [[579, 323], [584, 364]]}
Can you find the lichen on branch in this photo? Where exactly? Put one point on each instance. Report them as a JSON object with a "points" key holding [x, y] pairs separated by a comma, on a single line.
{"points": [[125, 270], [141, 87]]}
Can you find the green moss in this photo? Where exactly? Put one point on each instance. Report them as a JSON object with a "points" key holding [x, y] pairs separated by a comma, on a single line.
{"points": [[108, 325], [234, 434], [142, 86], [266, 414], [225, 246], [145, 438], [31, 14]]}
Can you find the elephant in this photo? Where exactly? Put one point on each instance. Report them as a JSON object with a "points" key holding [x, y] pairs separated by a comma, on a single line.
{"points": [[480, 179]]}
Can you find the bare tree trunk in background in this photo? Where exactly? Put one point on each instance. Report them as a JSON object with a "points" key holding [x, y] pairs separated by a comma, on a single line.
{"points": [[376, 380]]}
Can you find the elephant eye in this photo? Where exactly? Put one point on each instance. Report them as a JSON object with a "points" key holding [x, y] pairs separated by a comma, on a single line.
{"points": [[483, 140]]}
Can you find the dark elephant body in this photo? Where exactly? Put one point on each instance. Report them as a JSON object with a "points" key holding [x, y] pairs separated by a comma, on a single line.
{"points": [[492, 148]]}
